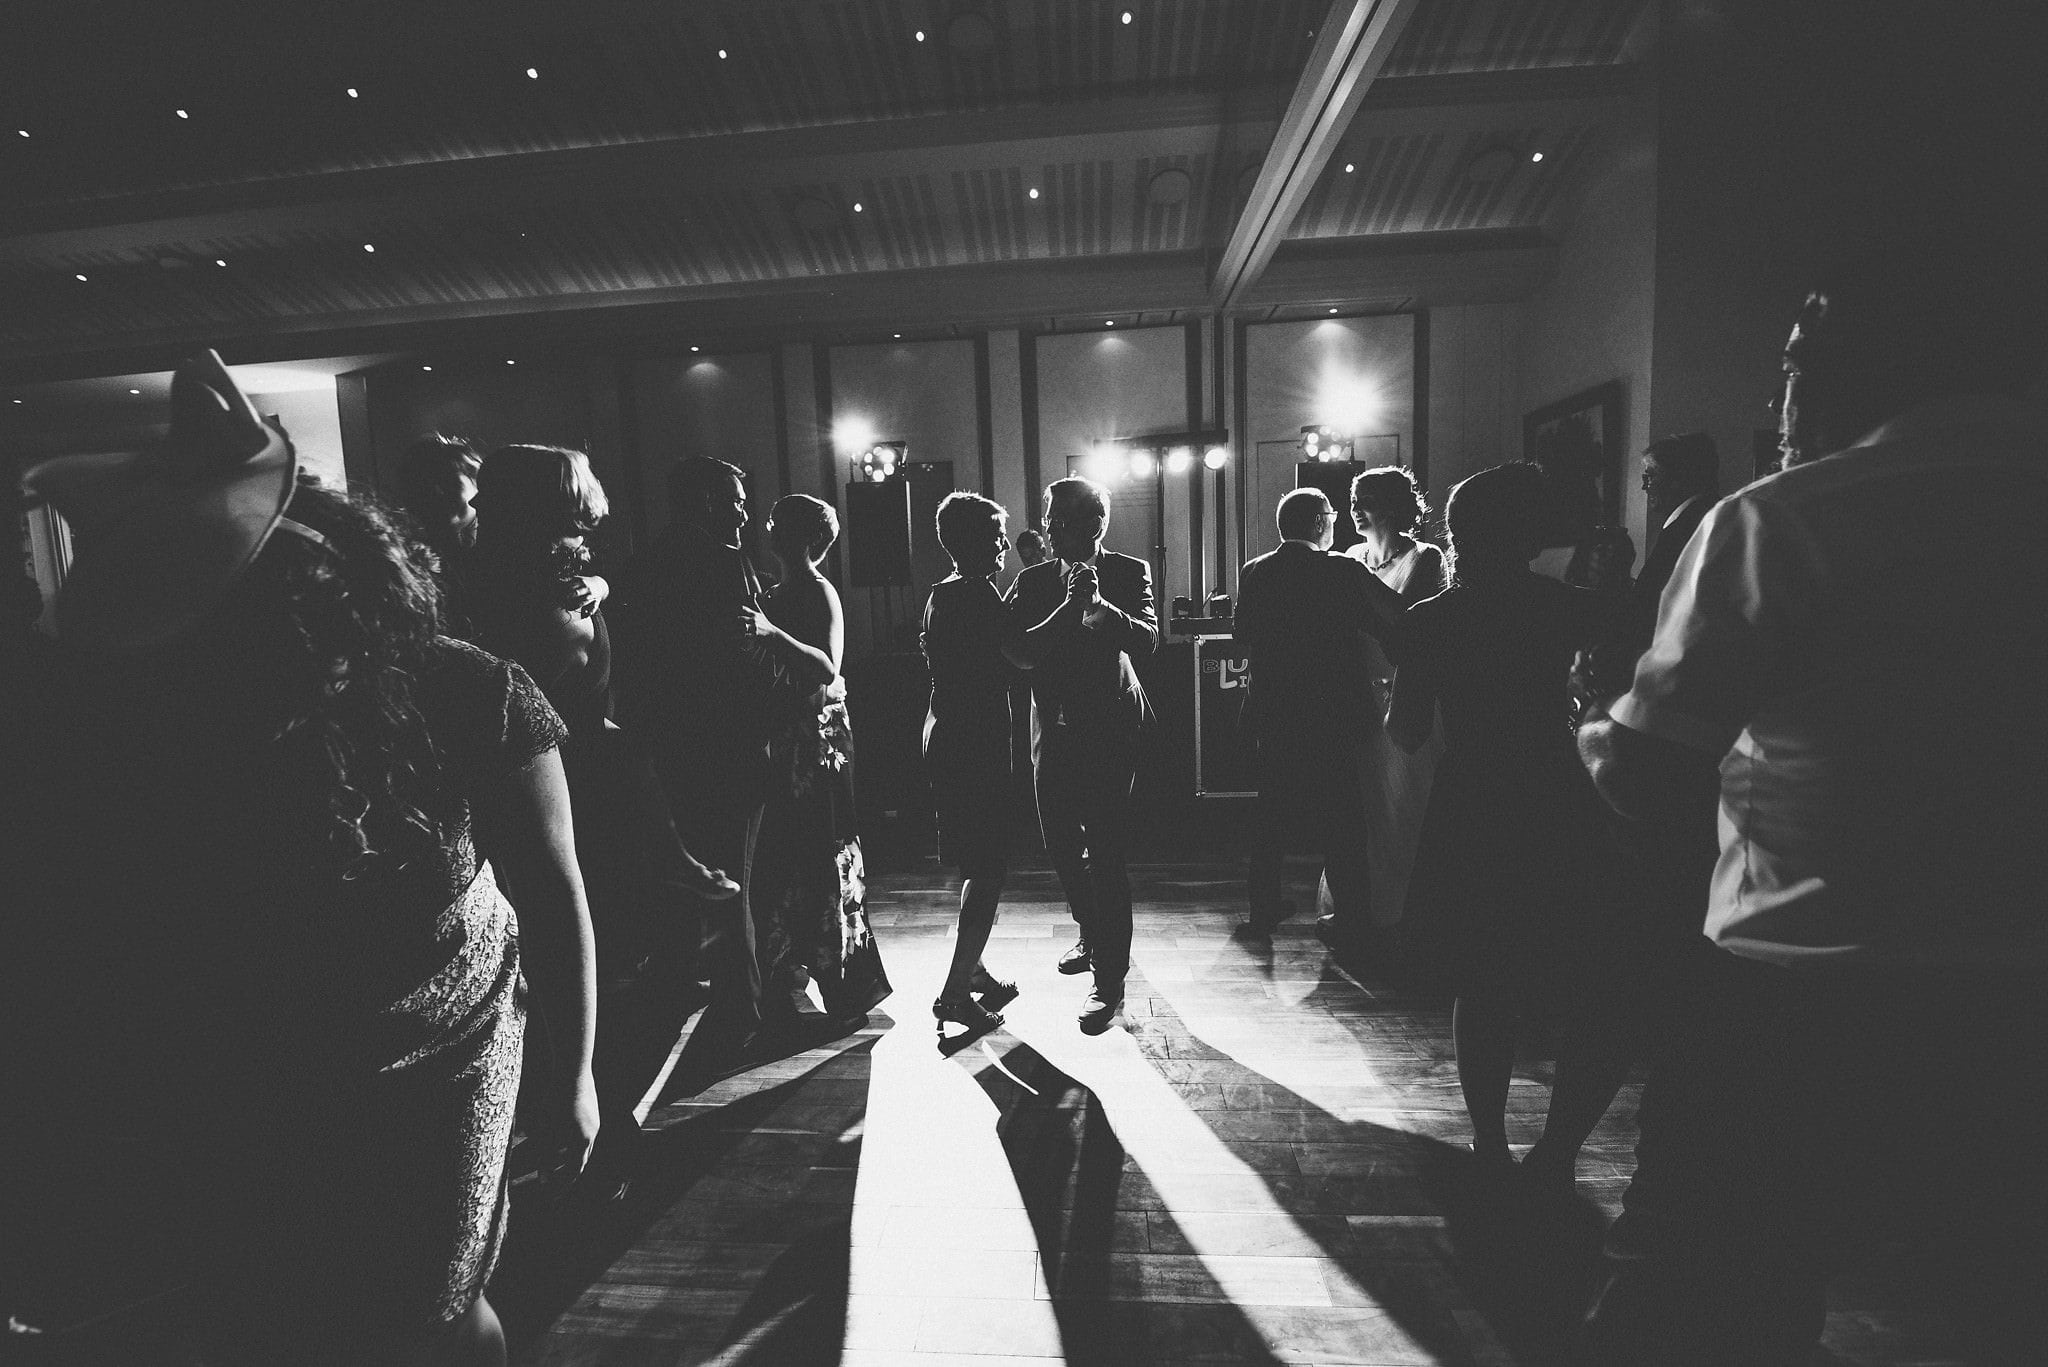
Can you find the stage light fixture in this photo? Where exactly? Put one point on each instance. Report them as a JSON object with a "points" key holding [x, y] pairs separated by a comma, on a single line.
{"points": [[1144, 465], [854, 435], [1324, 443], [1215, 457], [881, 461], [1179, 460]]}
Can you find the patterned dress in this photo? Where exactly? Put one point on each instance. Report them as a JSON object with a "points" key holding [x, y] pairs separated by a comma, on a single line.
{"points": [[329, 1062]]}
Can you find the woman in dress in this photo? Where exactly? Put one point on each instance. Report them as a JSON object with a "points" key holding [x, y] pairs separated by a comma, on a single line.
{"points": [[282, 790], [812, 913], [1387, 508], [1513, 898], [967, 747]]}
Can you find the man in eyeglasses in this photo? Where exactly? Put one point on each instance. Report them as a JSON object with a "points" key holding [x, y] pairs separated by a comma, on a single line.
{"points": [[1076, 622]]}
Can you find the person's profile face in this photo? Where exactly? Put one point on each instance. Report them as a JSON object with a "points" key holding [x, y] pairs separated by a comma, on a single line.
{"points": [[1656, 479], [1801, 402], [1075, 530], [985, 551], [726, 509]]}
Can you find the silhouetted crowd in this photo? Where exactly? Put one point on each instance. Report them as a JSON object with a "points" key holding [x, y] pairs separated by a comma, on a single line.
{"points": [[346, 866]]}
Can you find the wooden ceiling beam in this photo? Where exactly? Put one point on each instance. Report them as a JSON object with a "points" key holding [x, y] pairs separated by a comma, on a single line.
{"points": [[1351, 47]]}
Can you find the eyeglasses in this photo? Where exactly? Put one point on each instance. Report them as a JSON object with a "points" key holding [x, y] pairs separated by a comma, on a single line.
{"points": [[1085, 522]]}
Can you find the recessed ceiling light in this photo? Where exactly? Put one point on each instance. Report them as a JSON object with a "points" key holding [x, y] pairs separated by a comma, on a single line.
{"points": [[1034, 192], [24, 133], [183, 115], [1333, 310], [426, 367], [219, 262], [17, 400], [352, 93], [81, 278], [511, 363], [898, 336], [1111, 323], [369, 246], [920, 35], [1349, 167], [721, 54], [134, 391], [533, 73], [1535, 156], [856, 206], [696, 348], [1127, 16]]}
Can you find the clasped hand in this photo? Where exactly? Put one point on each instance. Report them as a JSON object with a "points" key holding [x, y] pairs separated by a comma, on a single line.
{"points": [[1082, 586]]}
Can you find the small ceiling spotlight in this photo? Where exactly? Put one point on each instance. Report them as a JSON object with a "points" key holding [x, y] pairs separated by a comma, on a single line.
{"points": [[920, 35], [721, 54], [1127, 16], [882, 461], [532, 73], [511, 363], [1535, 156], [1033, 192], [352, 93], [23, 132], [1333, 312], [897, 335], [219, 261], [426, 367], [134, 391], [79, 278], [369, 246], [857, 207], [1110, 324], [183, 115], [1350, 167], [696, 348], [1215, 457]]}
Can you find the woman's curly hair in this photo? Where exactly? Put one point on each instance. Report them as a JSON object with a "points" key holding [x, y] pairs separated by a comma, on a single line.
{"points": [[327, 640]]}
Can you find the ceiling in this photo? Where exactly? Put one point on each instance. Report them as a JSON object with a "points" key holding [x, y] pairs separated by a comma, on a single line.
{"points": [[349, 176]]}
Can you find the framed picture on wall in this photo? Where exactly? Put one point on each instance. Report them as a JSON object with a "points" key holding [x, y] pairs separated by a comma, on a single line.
{"points": [[1578, 441]]}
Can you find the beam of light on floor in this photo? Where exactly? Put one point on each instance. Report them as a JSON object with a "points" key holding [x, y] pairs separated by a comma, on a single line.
{"points": [[1196, 1175], [944, 1259]]}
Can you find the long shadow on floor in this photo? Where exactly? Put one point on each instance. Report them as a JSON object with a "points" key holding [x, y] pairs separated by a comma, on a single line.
{"points": [[732, 1242], [1412, 1221], [1070, 1170]]}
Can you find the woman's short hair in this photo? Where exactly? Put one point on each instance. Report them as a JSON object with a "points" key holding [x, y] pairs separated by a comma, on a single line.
{"points": [[1495, 515], [962, 514], [800, 522], [541, 485], [1390, 492]]}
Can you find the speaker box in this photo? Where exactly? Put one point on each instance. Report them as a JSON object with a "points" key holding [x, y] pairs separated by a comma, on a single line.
{"points": [[878, 533]]}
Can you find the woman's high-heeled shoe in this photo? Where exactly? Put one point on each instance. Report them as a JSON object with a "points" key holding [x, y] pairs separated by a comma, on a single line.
{"points": [[993, 991], [966, 1011]]}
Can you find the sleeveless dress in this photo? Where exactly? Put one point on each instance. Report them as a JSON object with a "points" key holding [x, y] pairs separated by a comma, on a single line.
{"points": [[811, 902], [330, 1063]]}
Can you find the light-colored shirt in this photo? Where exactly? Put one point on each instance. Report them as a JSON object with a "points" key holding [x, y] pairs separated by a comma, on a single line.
{"points": [[1863, 641]]}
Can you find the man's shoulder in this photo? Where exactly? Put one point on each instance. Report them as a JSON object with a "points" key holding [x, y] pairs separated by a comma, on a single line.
{"points": [[1114, 562], [1045, 572]]}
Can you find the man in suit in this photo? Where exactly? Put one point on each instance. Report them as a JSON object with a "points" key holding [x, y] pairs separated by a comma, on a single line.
{"points": [[700, 692], [1076, 622], [1302, 619]]}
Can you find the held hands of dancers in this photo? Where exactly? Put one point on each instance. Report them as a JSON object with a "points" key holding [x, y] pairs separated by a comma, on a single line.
{"points": [[1084, 591]]}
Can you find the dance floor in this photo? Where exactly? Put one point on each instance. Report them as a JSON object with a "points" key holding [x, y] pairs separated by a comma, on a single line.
{"points": [[1260, 1164]]}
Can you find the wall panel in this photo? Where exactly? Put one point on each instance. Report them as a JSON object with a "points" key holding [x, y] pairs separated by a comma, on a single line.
{"points": [[1097, 385], [722, 406]]}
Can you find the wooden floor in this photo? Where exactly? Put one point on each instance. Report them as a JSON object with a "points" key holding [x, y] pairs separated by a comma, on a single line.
{"points": [[1260, 1164]]}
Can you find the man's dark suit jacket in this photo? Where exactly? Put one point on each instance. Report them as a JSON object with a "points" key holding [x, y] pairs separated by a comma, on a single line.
{"points": [[1658, 565], [691, 684], [1302, 618], [1084, 678]]}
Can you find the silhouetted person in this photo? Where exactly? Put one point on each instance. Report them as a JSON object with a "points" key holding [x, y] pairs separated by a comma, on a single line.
{"points": [[1076, 622], [967, 747], [1032, 548], [1862, 1042], [705, 693], [1302, 621], [1511, 900]]}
